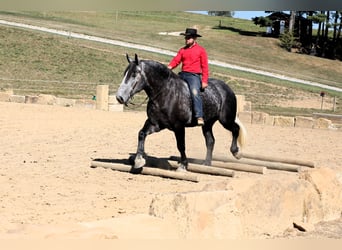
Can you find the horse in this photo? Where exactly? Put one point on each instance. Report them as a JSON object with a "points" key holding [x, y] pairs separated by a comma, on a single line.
{"points": [[170, 107]]}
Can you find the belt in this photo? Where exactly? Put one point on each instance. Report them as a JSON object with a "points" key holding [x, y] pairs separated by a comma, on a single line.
{"points": [[198, 74]]}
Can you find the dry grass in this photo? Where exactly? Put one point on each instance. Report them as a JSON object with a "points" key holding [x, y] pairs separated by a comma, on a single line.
{"points": [[34, 62]]}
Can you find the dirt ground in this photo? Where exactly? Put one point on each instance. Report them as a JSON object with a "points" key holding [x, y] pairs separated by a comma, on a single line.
{"points": [[47, 188]]}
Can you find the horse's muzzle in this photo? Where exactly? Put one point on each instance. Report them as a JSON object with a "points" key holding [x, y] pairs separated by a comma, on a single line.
{"points": [[120, 99]]}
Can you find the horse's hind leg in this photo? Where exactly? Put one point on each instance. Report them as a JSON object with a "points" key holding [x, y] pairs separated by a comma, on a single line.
{"points": [[235, 129], [234, 149], [209, 142], [148, 128]]}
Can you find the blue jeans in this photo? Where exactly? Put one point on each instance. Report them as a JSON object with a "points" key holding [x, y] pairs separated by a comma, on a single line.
{"points": [[194, 83]]}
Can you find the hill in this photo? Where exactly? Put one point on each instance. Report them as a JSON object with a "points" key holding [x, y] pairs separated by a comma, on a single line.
{"points": [[35, 62]]}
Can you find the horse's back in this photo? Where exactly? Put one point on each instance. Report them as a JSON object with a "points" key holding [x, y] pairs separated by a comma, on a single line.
{"points": [[218, 98], [222, 87]]}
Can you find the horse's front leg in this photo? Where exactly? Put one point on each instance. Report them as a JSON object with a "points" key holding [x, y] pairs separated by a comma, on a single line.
{"points": [[180, 137], [148, 128]]}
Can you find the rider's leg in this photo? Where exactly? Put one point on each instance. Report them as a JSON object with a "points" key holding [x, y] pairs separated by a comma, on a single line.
{"points": [[194, 82]]}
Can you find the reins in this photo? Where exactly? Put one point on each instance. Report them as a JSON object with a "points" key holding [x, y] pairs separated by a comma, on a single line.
{"points": [[139, 105]]}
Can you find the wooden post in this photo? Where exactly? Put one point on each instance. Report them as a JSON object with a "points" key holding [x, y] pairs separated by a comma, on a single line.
{"points": [[102, 97], [147, 171], [322, 95], [322, 103]]}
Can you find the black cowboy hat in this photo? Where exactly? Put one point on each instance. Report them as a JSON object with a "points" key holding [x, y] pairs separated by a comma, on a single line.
{"points": [[190, 32]]}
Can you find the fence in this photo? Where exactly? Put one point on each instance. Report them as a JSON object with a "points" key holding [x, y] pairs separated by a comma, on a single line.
{"points": [[271, 101], [67, 89]]}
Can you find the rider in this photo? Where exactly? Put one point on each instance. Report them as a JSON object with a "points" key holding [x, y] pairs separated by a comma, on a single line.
{"points": [[195, 69]]}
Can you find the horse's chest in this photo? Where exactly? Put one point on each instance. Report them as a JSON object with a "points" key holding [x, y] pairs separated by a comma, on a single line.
{"points": [[170, 113]]}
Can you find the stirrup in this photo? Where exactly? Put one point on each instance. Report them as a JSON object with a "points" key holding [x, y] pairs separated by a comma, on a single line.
{"points": [[200, 121]]}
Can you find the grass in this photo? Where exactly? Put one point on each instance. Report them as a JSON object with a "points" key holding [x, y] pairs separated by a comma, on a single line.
{"points": [[34, 62]]}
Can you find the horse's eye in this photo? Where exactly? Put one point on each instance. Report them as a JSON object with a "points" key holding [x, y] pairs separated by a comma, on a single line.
{"points": [[136, 73]]}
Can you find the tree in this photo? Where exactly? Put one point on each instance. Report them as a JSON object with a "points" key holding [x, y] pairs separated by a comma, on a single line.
{"points": [[221, 13], [262, 21], [335, 25], [292, 20], [327, 42], [318, 18], [287, 40]]}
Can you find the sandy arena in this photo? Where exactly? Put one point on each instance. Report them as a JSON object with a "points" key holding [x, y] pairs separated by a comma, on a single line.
{"points": [[48, 189]]}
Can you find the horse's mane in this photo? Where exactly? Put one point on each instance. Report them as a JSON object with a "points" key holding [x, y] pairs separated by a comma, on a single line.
{"points": [[161, 69]]}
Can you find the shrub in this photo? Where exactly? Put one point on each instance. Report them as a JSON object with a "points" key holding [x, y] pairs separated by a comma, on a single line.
{"points": [[287, 40]]}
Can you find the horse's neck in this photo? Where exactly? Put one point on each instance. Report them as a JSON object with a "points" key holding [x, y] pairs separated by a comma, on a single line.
{"points": [[156, 75], [160, 81]]}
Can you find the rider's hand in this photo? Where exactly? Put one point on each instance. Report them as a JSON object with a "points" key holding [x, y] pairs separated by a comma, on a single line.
{"points": [[204, 85]]}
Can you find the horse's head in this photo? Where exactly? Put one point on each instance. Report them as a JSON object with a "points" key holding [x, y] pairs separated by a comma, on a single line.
{"points": [[133, 81]]}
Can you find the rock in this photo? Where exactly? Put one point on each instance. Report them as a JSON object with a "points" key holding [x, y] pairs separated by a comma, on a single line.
{"points": [[245, 116], [259, 117], [322, 123], [268, 207], [17, 98], [269, 120], [5, 95], [260, 208], [328, 187], [240, 102], [65, 102], [196, 218], [31, 99], [304, 122], [46, 99], [303, 226], [247, 106], [113, 104], [115, 107], [284, 121]]}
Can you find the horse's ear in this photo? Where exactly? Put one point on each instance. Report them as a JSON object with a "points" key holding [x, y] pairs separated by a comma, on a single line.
{"points": [[136, 59], [128, 59]]}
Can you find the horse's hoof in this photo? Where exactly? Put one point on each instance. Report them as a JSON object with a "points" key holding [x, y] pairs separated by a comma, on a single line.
{"points": [[237, 155], [207, 163], [139, 162], [181, 169]]}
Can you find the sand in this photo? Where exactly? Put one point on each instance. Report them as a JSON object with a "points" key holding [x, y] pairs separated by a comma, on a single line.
{"points": [[48, 189]]}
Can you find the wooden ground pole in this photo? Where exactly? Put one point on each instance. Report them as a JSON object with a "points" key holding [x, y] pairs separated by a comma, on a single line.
{"points": [[227, 165], [278, 159], [147, 171], [267, 164]]}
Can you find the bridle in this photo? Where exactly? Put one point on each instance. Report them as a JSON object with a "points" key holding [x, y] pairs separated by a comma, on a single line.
{"points": [[151, 99]]}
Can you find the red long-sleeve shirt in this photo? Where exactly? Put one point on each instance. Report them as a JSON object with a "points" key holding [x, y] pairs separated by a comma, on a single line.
{"points": [[194, 59]]}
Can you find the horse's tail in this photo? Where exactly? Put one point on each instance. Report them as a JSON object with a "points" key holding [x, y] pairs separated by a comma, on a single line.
{"points": [[242, 138]]}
